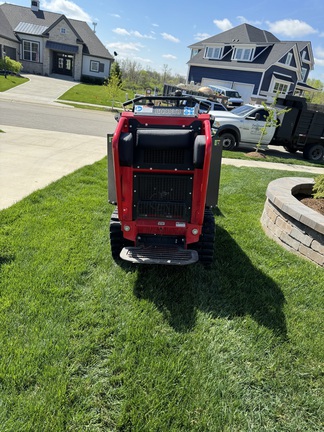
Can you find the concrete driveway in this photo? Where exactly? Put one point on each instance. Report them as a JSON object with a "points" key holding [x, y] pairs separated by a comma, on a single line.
{"points": [[39, 89], [30, 159]]}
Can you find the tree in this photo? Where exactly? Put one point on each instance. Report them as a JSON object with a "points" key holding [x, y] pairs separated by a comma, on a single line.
{"points": [[116, 71], [272, 118], [316, 97], [113, 89]]}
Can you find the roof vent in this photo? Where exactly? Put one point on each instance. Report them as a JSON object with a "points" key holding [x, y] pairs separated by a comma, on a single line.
{"points": [[35, 5]]}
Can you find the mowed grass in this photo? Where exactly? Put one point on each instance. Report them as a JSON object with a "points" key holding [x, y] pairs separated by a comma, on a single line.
{"points": [[10, 82], [273, 154], [94, 94], [88, 345]]}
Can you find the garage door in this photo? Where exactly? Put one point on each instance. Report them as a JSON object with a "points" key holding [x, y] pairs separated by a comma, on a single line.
{"points": [[245, 90]]}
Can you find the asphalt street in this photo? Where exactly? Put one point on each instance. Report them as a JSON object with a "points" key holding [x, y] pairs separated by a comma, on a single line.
{"points": [[42, 140]]}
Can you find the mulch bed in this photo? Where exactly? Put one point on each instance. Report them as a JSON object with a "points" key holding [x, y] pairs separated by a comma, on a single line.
{"points": [[315, 204]]}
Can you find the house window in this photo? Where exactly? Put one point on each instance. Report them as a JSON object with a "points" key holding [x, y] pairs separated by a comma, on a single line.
{"points": [[63, 30], [303, 73], [280, 87], [213, 52], [243, 54], [288, 59], [31, 51], [94, 66], [194, 52]]}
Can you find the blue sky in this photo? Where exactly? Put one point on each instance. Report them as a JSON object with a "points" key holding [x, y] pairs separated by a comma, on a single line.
{"points": [[158, 33]]}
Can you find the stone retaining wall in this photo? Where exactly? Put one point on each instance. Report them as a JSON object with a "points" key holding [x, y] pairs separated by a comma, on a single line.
{"points": [[292, 224]]}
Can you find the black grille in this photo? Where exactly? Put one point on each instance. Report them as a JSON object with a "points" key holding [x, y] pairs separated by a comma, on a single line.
{"points": [[165, 197], [164, 157]]}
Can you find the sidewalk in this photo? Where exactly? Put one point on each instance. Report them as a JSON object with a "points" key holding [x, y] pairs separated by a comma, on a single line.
{"points": [[31, 158], [274, 166]]}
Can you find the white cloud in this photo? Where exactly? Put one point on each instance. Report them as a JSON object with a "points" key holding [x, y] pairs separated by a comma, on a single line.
{"points": [[121, 31], [202, 36], [224, 24], [135, 33], [143, 60], [319, 52], [170, 37], [68, 8], [115, 15], [124, 46], [319, 62], [169, 56], [291, 28], [244, 20], [140, 35]]}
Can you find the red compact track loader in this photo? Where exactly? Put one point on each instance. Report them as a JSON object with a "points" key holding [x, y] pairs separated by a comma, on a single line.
{"points": [[163, 174]]}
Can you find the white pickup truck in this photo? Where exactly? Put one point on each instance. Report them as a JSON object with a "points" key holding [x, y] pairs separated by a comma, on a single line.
{"points": [[242, 125], [300, 128]]}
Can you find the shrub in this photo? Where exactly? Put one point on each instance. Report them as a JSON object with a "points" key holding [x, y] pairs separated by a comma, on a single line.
{"points": [[318, 187], [87, 79], [10, 65]]}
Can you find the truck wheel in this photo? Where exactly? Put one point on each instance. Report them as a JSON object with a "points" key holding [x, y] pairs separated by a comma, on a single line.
{"points": [[205, 245], [117, 241], [227, 140], [314, 152]]}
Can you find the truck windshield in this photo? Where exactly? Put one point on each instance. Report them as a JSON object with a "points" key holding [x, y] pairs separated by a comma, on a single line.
{"points": [[242, 110], [232, 94]]}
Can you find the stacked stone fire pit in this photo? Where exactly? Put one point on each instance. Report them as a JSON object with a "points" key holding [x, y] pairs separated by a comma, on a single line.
{"points": [[292, 224]]}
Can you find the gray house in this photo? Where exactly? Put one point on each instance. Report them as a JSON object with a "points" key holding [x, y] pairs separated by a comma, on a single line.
{"points": [[49, 43], [252, 61]]}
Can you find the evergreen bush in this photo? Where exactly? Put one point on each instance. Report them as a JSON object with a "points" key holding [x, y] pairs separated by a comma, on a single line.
{"points": [[318, 187]]}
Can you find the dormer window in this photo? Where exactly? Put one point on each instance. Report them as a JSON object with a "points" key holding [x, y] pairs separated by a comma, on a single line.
{"points": [[288, 59], [243, 54], [194, 52], [214, 53], [304, 74]]}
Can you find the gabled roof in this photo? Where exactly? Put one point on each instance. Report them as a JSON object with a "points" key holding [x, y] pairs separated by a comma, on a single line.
{"points": [[245, 34], [68, 22], [242, 34], [6, 30], [21, 17]]}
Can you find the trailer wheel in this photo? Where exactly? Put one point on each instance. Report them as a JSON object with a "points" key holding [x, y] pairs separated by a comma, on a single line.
{"points": [[205, 245], [117, 240], [314, 152], [227, 140]]}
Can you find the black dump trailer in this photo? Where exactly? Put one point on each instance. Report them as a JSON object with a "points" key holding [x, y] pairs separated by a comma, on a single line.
{"points": [[302, 128]]}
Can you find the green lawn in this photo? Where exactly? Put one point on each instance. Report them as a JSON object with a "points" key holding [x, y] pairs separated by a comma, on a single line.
{"points": [[94, 94], [88, 345], [10, 82], [275, 154]]}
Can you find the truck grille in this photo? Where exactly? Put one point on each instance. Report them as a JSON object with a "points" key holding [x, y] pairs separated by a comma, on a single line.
{"points": [[162, 196]]}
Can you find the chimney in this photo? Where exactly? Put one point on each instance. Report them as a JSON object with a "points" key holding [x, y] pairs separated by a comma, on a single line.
{"points": [[35, 5]]}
